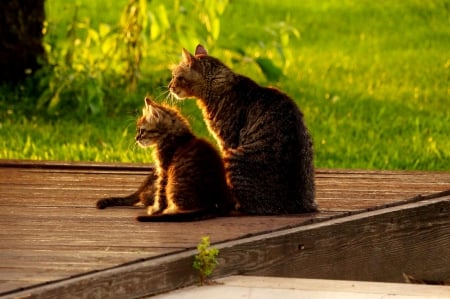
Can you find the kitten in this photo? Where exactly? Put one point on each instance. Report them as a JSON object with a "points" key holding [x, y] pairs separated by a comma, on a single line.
{"points": [[189, 182], [267, 149]]}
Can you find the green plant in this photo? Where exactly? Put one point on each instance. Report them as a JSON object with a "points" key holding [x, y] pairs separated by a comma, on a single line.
{"points": [[94, 60], [90, 62], [206, 260], [133, 21]]}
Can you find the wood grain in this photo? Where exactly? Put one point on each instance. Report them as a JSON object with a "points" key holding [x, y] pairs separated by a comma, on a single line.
{"points": [[377, 246], [53, 240]]}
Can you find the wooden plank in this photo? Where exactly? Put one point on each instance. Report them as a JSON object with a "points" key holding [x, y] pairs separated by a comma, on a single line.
{"points": [[48, 210], [378, 244], [39, 164], [39, 213], [93, 184], [77, 231], [129, 281]]}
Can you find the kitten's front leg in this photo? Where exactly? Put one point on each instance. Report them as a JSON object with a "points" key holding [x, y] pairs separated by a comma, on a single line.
{"points": [[160, 202], [154, 209]]}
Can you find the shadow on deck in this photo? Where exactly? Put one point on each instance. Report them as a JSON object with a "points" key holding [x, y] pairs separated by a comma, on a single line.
{"points": [[372, 225]]}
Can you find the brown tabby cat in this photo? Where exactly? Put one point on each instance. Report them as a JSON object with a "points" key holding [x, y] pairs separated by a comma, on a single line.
{"points": [[266, 146], [189, 183]]}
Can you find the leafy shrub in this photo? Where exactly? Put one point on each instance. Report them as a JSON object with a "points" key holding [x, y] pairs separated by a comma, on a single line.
{"points": [[89, 62], [88, 67]]}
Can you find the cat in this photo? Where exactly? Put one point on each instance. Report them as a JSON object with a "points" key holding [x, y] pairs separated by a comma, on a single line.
{"points": [[266, 147], [189, 182]]}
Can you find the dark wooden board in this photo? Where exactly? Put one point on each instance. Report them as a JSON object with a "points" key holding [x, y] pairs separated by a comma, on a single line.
{"points": [[376, 244], [50, 230]]}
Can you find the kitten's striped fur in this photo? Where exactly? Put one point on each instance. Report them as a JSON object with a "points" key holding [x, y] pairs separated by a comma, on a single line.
{"points": [[189, 183]]}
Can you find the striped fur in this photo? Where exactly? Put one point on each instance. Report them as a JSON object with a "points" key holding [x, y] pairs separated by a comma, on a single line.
{"points": [[189, 183], [267, 149]]}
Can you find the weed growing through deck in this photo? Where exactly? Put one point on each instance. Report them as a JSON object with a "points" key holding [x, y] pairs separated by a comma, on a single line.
{"points": [[206, 260]]}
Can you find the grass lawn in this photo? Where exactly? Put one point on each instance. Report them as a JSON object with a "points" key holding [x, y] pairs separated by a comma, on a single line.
{"points": [[371, 77]]}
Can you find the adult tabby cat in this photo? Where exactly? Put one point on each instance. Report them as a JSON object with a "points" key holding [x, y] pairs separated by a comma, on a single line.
{"points": [[189, 183], [266, 146]]}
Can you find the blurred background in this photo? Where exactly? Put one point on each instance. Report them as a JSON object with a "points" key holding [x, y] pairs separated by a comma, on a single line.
{"points": [[371, 77]]}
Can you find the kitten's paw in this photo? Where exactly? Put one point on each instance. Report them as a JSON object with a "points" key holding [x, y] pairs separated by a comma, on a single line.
{"points": [[153, 210], [102, 203]]}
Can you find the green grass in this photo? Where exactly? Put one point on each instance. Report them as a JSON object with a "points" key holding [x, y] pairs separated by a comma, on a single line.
{"points": [[371, 77]]}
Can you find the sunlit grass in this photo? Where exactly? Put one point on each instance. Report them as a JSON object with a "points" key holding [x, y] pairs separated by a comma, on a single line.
{"points": [[105, 140], [371, 77]]}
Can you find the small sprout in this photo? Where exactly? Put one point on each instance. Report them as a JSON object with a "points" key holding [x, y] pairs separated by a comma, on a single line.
{"points": [[206, 260]]}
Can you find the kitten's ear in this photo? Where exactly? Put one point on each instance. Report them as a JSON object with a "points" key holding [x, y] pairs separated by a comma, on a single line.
{"points": [[151, 108], [148, 101], [188, 58], [149, 104], [200, 50]]}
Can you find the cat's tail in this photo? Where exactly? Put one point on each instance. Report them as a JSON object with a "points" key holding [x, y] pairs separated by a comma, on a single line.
{"points": [[144, 194], [117, 201], [178, 217]]}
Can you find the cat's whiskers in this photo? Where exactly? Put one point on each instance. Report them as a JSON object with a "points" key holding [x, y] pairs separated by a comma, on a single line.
{"points": [[162, 90], [173, 100], [168, 96]]}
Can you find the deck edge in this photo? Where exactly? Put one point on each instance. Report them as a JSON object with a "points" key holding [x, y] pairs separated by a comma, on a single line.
{"points": [[162, 274]]}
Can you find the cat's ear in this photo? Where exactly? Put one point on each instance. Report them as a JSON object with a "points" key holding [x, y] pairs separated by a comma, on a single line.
{"points": [[200, 50], [188, 58]]}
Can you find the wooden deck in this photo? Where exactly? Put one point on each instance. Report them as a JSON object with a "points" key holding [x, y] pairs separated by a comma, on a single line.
{"points": [[54, 243]]}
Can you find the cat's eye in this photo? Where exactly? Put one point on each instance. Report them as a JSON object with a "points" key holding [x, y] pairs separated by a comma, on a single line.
{"points": [[180, 78]]}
